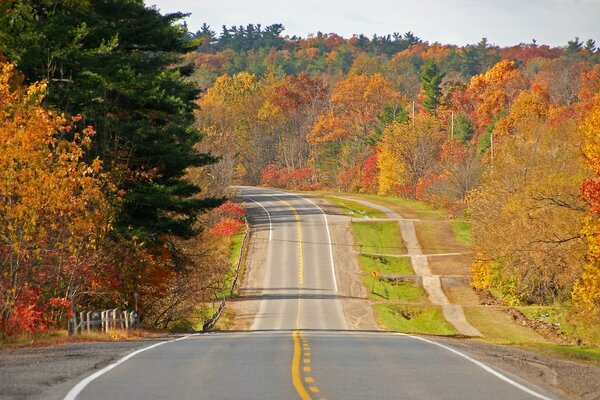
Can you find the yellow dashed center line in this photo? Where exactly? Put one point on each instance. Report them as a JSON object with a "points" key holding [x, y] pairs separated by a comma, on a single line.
{"points": [[302, 353]]}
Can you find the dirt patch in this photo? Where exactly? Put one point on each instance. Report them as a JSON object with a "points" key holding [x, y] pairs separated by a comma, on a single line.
{"points": [[437, 236], [243, 308], [450, 264]]}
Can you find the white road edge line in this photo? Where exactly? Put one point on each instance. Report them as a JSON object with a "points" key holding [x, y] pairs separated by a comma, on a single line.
{"points": [[482, 366], [77, 389], [268, 215], [335, 287]]}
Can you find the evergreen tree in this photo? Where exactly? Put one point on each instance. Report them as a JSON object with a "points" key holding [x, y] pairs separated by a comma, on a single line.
{"points": [[431, 78], [112, 63]]}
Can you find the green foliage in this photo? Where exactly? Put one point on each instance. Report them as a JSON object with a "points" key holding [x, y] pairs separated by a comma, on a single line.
{"points": [[463, 128], [431, 78]]}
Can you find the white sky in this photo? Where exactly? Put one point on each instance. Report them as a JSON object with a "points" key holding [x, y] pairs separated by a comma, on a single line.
{"points": [[503, 22]]}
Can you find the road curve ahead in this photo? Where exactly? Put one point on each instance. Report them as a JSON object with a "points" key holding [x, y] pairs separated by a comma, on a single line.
{"points": [[298, 346]]}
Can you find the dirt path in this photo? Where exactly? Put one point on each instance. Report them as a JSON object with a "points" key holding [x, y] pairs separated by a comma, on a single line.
{"points": [[453, 313]]}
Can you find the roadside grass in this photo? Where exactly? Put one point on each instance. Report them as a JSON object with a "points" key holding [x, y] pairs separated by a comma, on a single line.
{"points": [[378, 237], [400, 306], [61, 336], [385, 265], [235, 252], [495, 325], [408, 208], [559, 316], [383, 289], [462, 231], [355, 209], [415, 319], [203, 312]]}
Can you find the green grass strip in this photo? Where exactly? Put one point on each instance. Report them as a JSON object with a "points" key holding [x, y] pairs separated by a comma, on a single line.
{"points": [[355, 209], [381, 237], [414, 319]]}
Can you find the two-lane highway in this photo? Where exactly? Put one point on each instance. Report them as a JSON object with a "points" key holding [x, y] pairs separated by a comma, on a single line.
{"points": [[300, 289], [299, 345]]}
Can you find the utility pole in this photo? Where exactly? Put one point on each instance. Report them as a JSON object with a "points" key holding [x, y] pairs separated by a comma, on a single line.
{"points": [[492, 149], [452, 126]]}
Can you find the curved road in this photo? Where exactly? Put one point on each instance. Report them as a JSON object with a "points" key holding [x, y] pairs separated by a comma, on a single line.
{"points": [[298, 346]]}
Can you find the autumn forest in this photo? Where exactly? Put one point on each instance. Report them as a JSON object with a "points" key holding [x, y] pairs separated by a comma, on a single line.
{"points": [[121, 133]]}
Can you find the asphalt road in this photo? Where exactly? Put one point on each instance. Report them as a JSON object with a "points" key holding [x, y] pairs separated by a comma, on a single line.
{"points": [[298, 345]]}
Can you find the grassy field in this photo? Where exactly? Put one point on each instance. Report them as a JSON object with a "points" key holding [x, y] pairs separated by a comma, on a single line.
{"points": [[408, 208], [418, 319], [355, 209], [462, 231], [400, 306], [382, 289], [386, 265], [378, 237]]}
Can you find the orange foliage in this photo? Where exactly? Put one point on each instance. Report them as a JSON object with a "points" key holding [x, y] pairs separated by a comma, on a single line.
{"points": [[355, 104], [494, 90], [53, 213]]}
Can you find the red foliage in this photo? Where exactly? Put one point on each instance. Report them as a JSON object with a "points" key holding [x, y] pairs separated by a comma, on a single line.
{"points": [[369, 173], [26, 315], [590, 190], [527, 52], [226, 227], [269, 176], [299, 91], [230, 210], [289, 178]]}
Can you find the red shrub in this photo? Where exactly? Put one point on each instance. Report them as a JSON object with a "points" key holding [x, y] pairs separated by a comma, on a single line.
{"points": [[231, 210], [226, 227]]}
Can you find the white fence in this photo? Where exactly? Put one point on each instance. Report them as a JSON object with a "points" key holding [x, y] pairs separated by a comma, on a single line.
{"points": [[103, 321]]}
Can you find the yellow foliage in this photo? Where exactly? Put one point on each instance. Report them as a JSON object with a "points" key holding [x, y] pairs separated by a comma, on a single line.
{"points": [[586, 294], [52, 203], [527, 214], [526, 107], [481, 275], [391, 170]]}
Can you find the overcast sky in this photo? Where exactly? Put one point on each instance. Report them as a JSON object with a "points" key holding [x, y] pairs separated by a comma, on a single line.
{"points": [[502, 22]]}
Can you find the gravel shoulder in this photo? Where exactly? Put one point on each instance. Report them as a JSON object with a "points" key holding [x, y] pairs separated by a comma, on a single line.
{"points": [[568, 379], [50, 372]]}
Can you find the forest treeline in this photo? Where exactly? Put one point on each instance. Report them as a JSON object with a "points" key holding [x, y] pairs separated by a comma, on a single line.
{"points": [[97, 149], [108, 191], [507, 135]]}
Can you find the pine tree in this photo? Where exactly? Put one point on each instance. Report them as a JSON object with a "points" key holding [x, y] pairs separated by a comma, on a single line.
{"points": [[431, 78], [112, 62]]}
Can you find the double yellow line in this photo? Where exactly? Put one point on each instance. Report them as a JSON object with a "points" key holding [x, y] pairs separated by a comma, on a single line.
{"points": [[302, 354]]}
